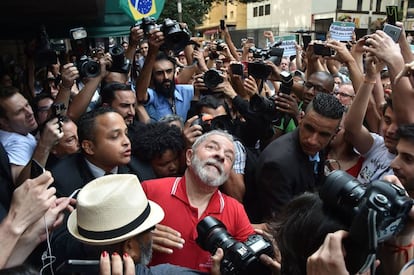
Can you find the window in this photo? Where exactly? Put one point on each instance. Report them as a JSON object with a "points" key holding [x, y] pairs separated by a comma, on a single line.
{"points": [[255, 12], [267, 9], [261, 12]]}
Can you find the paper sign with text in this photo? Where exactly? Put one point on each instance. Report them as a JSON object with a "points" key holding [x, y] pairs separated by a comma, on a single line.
{"points": [[342, 31], [288, 44]]}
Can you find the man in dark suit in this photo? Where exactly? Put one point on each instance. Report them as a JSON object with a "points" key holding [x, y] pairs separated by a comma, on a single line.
{"points": [[294, 163], [105, 149]]}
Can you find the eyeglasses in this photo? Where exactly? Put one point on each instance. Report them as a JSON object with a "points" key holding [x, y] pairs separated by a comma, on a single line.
{"points": [[317, 88], [343, 94]]}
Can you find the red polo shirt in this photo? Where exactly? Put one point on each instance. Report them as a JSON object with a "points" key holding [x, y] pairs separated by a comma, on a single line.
{"points": [[171, 195]]}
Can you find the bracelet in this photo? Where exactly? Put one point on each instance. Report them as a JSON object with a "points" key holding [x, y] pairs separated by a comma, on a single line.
{"points": [[370, 81], [403, 248]]}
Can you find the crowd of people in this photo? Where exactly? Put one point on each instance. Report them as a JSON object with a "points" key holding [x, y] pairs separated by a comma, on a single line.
{"points": [[122, 165]]}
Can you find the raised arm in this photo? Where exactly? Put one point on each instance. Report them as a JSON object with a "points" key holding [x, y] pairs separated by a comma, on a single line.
{"points": [[143, 81], [353, 123], [382, 46], [81, 101]]}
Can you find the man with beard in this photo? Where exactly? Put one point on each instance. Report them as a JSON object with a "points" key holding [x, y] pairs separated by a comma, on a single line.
{"points": [[189, 199], [155, 86], [97, 223], [403, 164]]}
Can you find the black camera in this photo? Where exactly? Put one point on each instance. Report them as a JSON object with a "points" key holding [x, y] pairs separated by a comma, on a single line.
{"points": [[120, 64], [147, 24], [86, 66], [267, 106], [258, 69], [239, 258], [374, 212], [208, 123], [176, 36], [212, 78]]}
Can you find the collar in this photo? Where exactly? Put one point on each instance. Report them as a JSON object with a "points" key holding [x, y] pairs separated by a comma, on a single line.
{"points": [[179, 190], [98, 172], [315, 158]]}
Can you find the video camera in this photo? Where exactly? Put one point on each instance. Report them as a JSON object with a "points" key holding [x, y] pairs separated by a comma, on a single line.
{"points": [[86, 66], [267, 106], [375, 212], [239, 258], [176, 36]]}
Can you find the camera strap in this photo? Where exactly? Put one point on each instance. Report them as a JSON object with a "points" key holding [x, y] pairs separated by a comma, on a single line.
{"points": [[372, 242]]}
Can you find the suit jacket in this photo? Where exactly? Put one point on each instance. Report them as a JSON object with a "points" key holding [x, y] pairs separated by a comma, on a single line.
{"points": [[283, 172], [73, 172]]}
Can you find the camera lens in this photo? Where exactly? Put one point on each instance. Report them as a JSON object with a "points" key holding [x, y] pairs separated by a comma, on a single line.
{"points": [[212, 234], [91, 68], [342, 191]]}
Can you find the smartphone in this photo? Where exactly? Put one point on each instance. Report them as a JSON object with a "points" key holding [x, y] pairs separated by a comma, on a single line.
{"points": [[306, 38], [84, 266], [393, 31], [237, 69], [392, 13], [323, 50], [222, 24], [36, 169]]}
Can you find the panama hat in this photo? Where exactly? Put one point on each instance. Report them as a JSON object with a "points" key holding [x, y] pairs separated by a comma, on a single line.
{"points": [[111, 209]]}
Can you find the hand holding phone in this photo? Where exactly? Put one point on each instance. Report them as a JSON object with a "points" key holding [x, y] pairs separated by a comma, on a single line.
{"points": [[393, 31], [322, 50], [36, 169]]}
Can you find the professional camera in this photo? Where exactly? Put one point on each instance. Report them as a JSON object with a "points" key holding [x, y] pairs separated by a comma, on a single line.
{"points": [[147, 24], [258, 69], [120, 64], [374, 212], [176, 36], [212, 78], [239, 258], [87, 67], [267, 106]]}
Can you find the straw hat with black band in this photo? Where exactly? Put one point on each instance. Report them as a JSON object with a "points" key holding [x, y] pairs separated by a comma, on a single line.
{"points": [[111, 209]]}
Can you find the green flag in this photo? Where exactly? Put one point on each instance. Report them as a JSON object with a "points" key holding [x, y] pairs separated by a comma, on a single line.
{"points": [[137, 9]]}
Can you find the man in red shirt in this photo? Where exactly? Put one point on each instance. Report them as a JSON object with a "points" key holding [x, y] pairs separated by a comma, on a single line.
{"points": [[189, 199]]}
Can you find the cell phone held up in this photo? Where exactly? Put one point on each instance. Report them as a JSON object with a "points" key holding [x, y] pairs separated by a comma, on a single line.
{"points": [[322, 50], [393, 31]]}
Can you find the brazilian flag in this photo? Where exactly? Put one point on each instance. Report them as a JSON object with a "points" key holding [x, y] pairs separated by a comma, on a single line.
{"points": [[138, 9]]}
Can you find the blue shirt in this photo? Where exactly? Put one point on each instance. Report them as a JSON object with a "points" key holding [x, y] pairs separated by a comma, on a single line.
{"points": [[159, 106]]}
